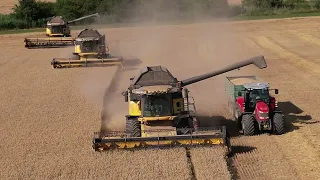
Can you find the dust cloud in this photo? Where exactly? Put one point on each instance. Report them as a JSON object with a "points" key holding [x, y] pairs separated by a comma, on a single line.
{"points": [[186, 50]]}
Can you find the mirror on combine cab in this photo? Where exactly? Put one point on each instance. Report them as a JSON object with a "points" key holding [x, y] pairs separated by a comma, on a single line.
{"points": [[239, 93], [276, 91], [125, 94]]}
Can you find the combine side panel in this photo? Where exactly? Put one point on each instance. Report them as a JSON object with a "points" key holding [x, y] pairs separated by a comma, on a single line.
{"points": [[119, 140]]}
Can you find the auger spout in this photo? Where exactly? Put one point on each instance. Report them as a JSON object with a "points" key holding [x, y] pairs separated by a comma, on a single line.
{"points": [[258, 61], [84, 17]]}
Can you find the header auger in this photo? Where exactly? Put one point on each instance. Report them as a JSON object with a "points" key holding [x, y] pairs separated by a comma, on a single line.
{"points": [[58, 32], [160, 113]]}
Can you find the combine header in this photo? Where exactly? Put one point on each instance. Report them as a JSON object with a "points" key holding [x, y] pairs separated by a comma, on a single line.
{"points": [[161, 113], [58, 31], [90, 50], [50, 42]]}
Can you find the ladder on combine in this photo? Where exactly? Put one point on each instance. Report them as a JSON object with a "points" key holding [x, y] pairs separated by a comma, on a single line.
{"points": [[189, 104]]}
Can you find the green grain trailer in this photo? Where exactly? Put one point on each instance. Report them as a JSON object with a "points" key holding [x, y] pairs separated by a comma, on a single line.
{"points": [[234, 85]]}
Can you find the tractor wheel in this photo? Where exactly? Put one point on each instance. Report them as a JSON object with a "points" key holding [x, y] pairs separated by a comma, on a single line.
{"points": [[278, 124], [133, 128], [248, 127]]}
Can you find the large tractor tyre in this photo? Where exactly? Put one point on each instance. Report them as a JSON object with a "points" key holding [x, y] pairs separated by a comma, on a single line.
{"points": [[278, 124], [248, 127], [133, 128]]}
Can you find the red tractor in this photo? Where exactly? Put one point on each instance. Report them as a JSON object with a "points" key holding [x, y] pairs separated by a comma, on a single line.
{"points": [[254, 109]]}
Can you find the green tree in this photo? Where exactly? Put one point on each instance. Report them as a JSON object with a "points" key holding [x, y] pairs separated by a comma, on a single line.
{"points": [[263, 4], [315, 4], [26, 10], [70, 9]]}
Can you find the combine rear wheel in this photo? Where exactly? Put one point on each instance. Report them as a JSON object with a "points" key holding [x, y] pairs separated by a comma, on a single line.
{"points": [[133, 128], [278, 124], [248, 125]]}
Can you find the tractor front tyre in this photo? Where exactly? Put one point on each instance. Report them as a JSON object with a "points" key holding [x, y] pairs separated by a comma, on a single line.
{"points": [[248, 127], [133, 127], [278, 124]]}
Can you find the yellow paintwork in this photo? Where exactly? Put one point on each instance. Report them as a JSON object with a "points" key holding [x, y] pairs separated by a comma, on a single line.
{"points": [[48, 31], [177, 109], [191, 141], [77, 49], [161, 118], [134, 108], [66, 32], [157, 131]]}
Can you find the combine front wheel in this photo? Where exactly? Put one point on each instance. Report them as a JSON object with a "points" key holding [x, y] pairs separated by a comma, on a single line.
{"points": [[278, 124], [133, 128], [248, 125]]}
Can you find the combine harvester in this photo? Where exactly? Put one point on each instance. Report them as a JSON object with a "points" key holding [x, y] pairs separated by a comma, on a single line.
{"points": [[90, 50], [252, 106], [160, 113], [58, 32]]}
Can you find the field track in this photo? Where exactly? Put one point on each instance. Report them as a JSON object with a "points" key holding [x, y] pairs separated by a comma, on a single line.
{"points": [[48, 116]]}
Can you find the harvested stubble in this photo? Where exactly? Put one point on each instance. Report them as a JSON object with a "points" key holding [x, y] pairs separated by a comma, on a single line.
{"points": [[240, 81], [262, 162], [210, 163]]}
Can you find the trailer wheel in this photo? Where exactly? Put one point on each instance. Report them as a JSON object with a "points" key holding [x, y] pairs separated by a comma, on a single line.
{"points": [[133, 128], [278, 124], [248, 125]]}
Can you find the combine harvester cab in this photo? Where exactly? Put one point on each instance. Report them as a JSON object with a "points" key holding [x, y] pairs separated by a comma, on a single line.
{"points": [[90, 50], [58, 32], [252, 106], [160, 113]]}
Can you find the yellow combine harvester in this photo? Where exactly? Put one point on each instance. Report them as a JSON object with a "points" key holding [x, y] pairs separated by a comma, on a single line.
{"points": [[162, 115], [58, 32], [90, 50]]}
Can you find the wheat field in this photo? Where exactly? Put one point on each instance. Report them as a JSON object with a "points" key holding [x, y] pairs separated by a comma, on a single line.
{"points": [[48, 116]]}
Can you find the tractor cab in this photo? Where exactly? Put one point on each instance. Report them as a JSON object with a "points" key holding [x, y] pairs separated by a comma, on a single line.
{"points": [[254, 92]]}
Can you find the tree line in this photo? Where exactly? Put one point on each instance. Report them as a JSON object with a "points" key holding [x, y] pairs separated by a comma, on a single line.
{"points": [[33, 13], [278, 7]]}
